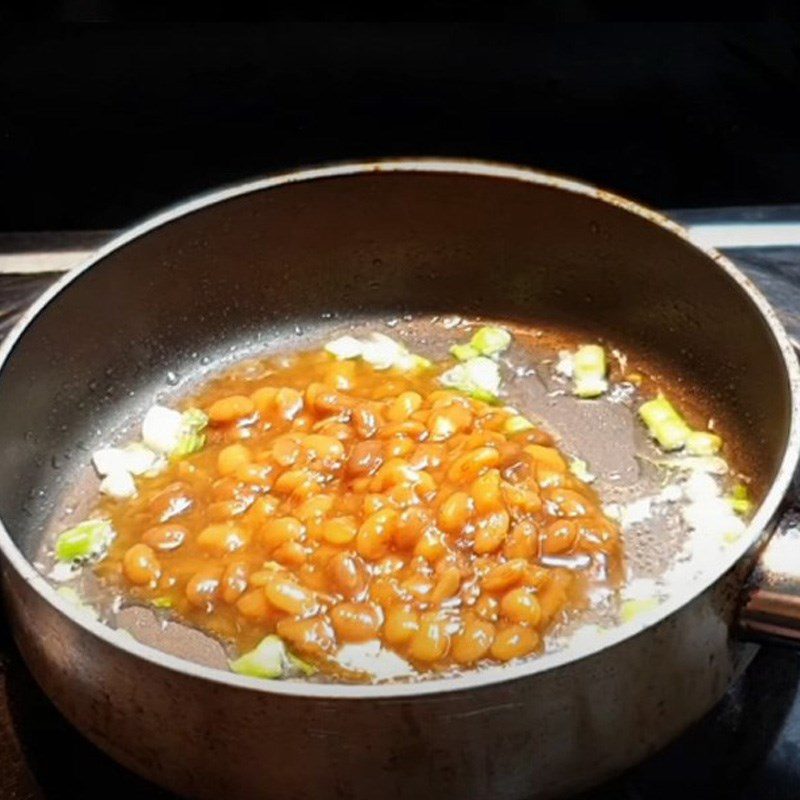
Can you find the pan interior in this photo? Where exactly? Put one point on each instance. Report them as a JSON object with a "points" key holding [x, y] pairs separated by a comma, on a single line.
{"points": [[604, 433], [273, 268]]}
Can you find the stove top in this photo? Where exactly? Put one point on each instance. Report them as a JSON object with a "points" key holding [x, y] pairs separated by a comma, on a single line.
{"points": [[746, 748]]}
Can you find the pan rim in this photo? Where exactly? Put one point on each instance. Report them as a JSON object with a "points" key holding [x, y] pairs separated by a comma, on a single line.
{"points": [[479, 678]]}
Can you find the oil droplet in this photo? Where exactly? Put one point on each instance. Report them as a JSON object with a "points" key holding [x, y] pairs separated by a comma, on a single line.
{"points": [[173, 378]]}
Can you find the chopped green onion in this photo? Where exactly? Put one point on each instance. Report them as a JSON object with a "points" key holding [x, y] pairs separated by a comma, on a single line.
{"points": [[162, 602], [713, 465], [740, 499], [703, 443], [478, 377], [193, 423], [631, 609], [464, 352], [345, 347], [138, 458], [119, 485], [382, 352], [161, 428], [409, 362], [489, 341], [588, 388], [484, 396], [664, 423], [189, 443], [589, 371], [265, 661], [379, 351], [517, 424], [195, 418], [741, 506], [304, 667], [87, 540], [580, 469]]}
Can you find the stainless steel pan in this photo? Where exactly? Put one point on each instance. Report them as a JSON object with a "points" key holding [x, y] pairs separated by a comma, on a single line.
{"points": [[266, 259]]}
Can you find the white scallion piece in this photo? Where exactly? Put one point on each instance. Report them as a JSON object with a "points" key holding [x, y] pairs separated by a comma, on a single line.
{"points": [[266, 660], [119, 485], [580, 469], [381, 351], [411, 361], [109, 459], [162, 428], [589, 371], [665, 424], [138, 458], [345, 347], [565, 365], [135, 458], [703, 443], [479, 377], [490, 340]]}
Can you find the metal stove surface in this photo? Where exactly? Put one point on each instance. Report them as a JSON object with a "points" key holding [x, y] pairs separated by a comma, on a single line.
{"points": [[746, 748]]}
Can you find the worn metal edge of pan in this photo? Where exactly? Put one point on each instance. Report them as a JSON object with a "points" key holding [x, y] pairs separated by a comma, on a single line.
{"points": [[479, 678]]}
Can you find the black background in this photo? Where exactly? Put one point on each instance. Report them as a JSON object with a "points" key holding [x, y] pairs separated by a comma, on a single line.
{"points": [[103, 123]]}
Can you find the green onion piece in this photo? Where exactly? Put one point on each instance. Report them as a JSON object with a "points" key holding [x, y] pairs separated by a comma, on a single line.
{"points": [[631, 609], [740, 499], [587, 388], [189, 443], [589, 371], [162, 602], [303, 666], [410, 362], [517, 424], [703, 443], [193, 423], [478, 377], [672, 434], [265, 661], [580, 469], [665, 424], [464, 352], [489, 341], [741, 506], [194, 418], [345, 347], [483, 395], [87, 540]]}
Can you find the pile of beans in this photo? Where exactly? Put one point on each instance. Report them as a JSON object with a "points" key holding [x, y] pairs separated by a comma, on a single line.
{"points": [[334, 503]]}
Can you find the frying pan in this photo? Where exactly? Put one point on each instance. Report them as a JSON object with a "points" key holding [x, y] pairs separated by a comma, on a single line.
{"points": [[239, 269]]}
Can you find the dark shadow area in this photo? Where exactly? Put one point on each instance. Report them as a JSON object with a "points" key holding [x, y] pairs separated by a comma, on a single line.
{"points": [[102, 124]]}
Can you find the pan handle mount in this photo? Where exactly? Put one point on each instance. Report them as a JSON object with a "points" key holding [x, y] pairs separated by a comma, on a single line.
{"points": [[771, 609]]}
